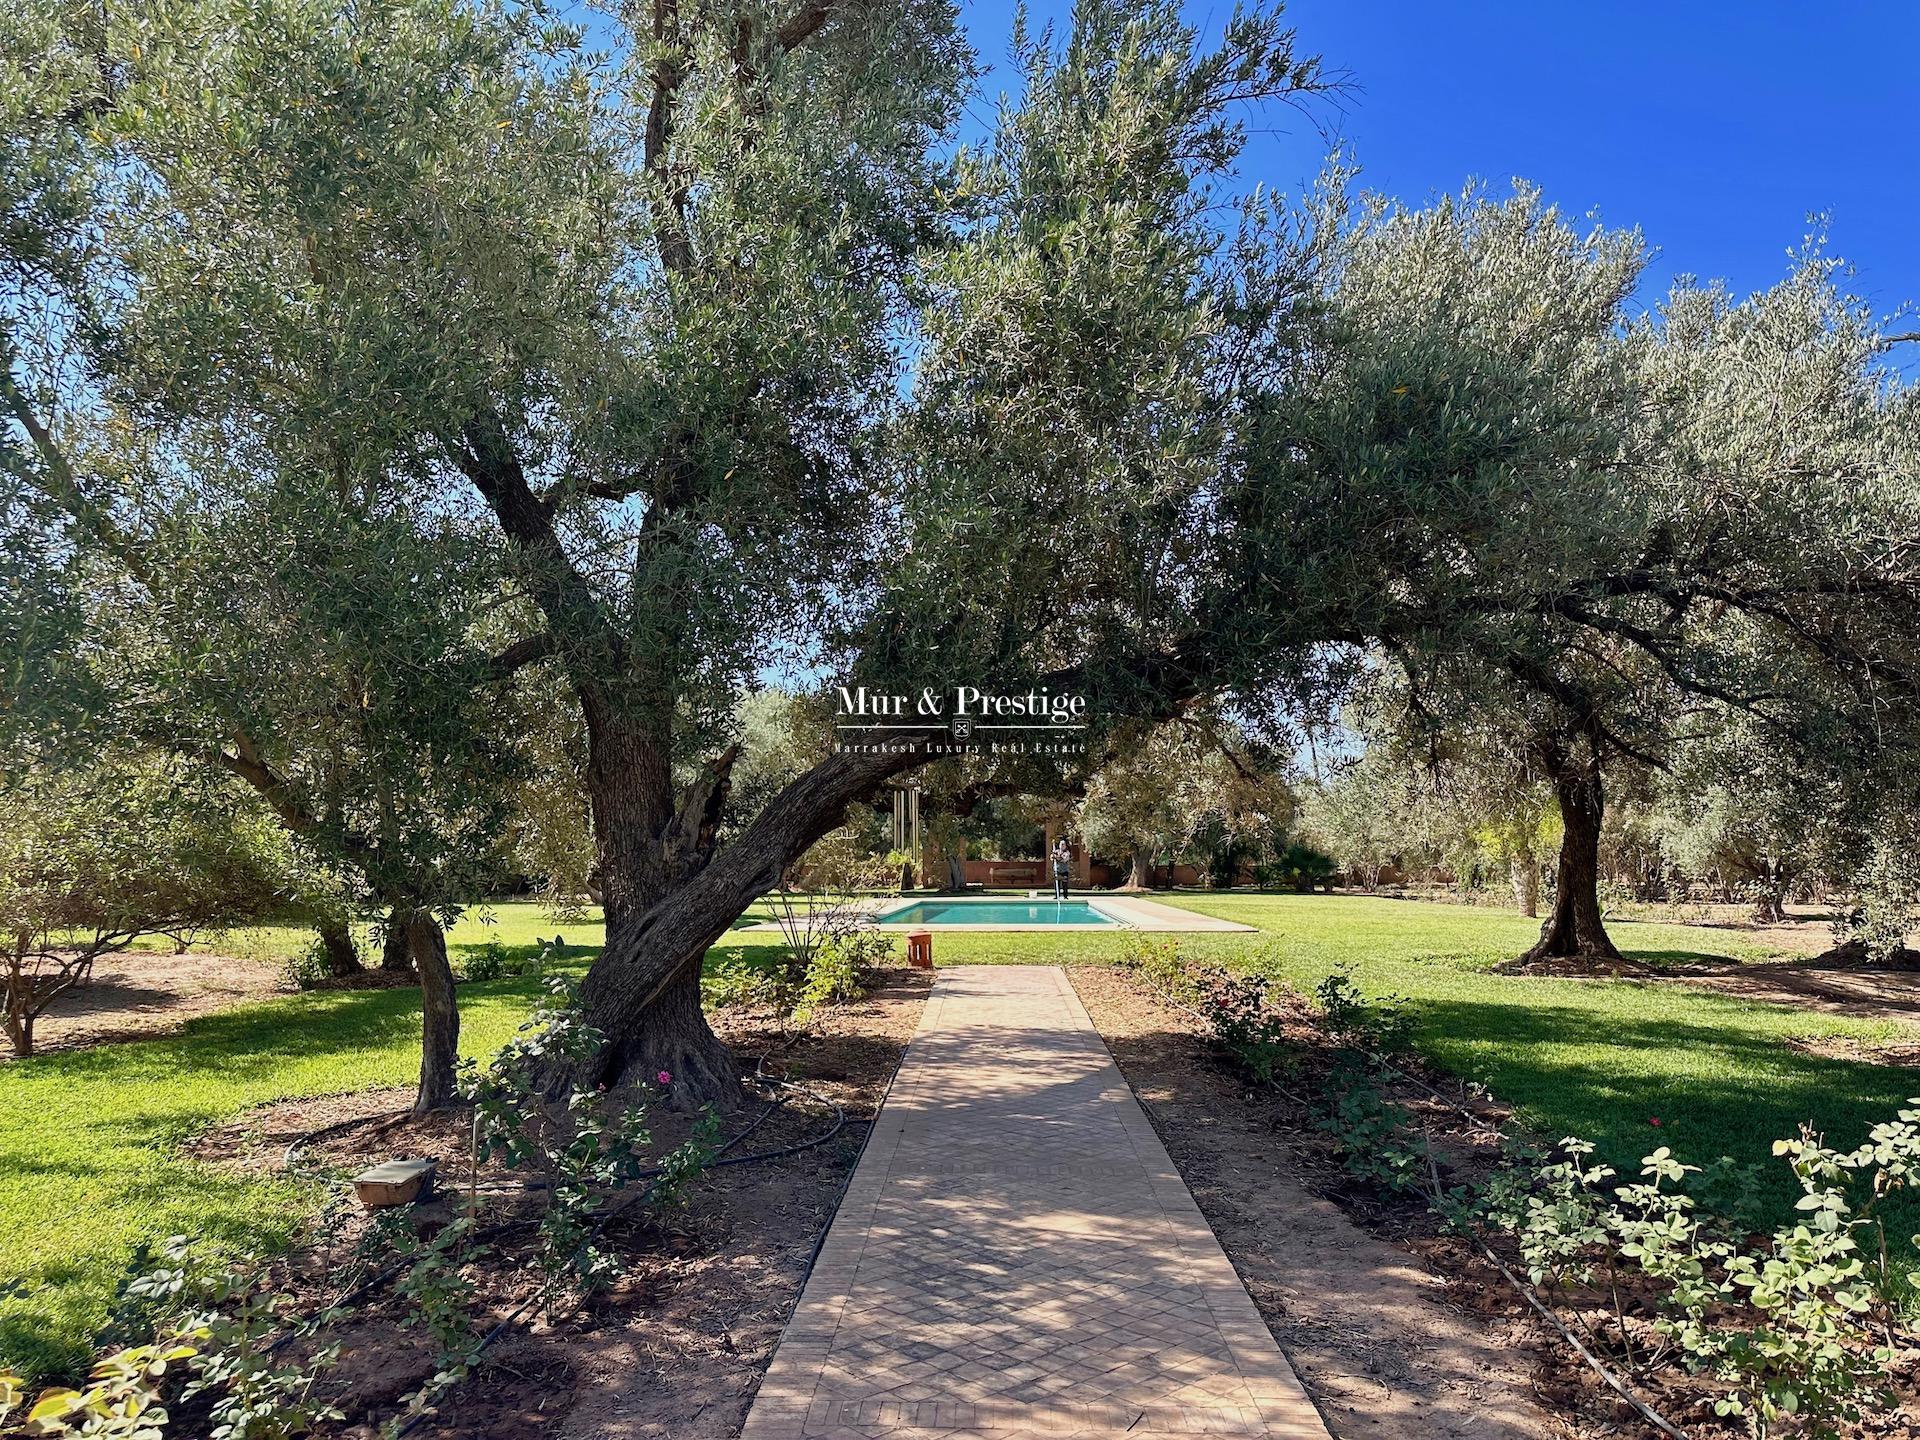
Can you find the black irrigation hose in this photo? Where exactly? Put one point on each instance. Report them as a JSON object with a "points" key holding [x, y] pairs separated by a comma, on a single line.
{"points": [[1527, 1292], [603, 1217], [290, 1157]]}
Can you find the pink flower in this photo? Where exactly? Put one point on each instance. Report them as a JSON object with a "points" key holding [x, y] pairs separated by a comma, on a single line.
{"points": [[1654, 1120], [664, 1078]]}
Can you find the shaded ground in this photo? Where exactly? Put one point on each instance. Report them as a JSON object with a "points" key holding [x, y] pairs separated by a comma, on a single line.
{"points": [[679, 1345], [1365, 1324], [138, 994], [1833, 984]]}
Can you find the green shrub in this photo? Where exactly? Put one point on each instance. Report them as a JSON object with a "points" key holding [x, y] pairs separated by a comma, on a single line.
{"points": [[210, 1321], [1306, 868], [1243, 1020], [307, 967], [576, 1148], [1382, 1025], [840, 969], [1371, 1134], [489, 962], [1791, 1327], [1157, 960], [736, 982], [492, 960]]}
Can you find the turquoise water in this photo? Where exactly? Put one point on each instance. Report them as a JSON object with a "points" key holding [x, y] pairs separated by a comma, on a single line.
{"points": [[995, 912]]}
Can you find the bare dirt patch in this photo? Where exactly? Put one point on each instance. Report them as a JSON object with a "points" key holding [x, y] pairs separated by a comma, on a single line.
{"points": [[678, 1347], [1369, 1327], [138, 994]]}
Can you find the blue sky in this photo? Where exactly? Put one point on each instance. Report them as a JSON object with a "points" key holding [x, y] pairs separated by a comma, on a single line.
{"points": [[1715, 127]]}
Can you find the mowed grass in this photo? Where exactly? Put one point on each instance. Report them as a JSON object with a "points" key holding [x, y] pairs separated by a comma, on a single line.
{"points": [[90, 1159], [1601, 1059], [91, 1166]]}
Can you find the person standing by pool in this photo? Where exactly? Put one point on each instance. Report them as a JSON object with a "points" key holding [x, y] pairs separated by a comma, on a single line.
{"points": [[1062, 868]]}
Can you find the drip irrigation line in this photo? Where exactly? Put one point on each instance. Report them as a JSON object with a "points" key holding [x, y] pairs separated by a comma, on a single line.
{"points": [[604, 1217], [292, 1157], [1599, 1367], [1527, 1292]]}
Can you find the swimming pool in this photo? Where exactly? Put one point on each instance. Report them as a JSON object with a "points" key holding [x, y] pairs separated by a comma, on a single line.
{"points": [[995, 912]]}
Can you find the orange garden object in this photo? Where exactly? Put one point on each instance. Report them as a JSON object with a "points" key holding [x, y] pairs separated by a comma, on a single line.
{"points": [[920, 949]]}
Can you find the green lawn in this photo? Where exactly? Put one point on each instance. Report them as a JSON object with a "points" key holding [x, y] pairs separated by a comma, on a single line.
{"points": [[89, 1164], [1597, 1058]]}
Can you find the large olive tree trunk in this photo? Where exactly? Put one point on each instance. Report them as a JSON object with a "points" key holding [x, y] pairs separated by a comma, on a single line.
{"points": [[439, 1012], [1139, 869], [643, 993], [1575, 930]]}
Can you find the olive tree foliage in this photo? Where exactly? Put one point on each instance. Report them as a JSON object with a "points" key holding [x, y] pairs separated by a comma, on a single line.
{"points": [[213, 455], [1366, 812], [92, 860], [1742, 813], [644, 317], [697, 340], [1728, 485], [1187, 787], [1472, 794]]}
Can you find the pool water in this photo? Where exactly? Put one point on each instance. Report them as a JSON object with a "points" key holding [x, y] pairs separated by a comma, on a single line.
{"points": [[995, 912]]}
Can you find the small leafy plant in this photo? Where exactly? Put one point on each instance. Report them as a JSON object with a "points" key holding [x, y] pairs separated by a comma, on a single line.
{"points": [[1372, 1135], [575, 1147]]}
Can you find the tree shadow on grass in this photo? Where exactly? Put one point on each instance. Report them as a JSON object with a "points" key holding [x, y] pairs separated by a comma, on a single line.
{"points": [[1714, 1086], [1672, 959]]}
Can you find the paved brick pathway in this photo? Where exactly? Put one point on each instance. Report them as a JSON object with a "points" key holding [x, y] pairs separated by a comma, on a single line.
{"points": [[1016, 1256]]}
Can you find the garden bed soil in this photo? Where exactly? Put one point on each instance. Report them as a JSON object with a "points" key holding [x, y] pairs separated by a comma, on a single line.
{"points": [[140, 994], [678, 1346], [1401, 1330], [1370, 1329]]}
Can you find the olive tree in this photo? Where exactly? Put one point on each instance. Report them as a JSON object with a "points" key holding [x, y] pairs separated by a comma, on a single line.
{"points": [[1187, 786], [698, 329], [647, 318], [1626, 519], [92, 860]]}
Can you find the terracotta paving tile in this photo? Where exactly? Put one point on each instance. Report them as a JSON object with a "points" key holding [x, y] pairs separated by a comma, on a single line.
{"points": [[1017, 1257]]}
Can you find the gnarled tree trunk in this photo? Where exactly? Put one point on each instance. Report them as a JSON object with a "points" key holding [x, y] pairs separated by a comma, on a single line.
{"points": [[1770, 892], [1139, 869], [396, 946], [1524, 871], [343, 956], [1575, 930], [18, 1016], [439, 1012], [643, 993]]}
